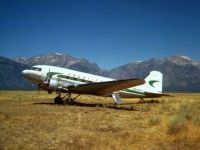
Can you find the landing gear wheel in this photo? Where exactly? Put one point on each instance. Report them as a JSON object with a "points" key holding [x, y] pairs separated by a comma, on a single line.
{"points": [[58, 100]]}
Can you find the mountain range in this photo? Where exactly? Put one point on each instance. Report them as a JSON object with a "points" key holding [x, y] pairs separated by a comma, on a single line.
{"points": [[181, 73]]}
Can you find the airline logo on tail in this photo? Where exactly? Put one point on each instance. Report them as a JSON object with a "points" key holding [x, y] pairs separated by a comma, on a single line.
{"points": [[151, 82]]}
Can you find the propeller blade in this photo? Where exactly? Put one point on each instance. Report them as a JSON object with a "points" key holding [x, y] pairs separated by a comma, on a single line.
{"points": [[48, 78], [48, 74]]}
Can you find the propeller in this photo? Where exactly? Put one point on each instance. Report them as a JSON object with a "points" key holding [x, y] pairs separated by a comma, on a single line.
{"points": [[48, 77], [46, 82]]}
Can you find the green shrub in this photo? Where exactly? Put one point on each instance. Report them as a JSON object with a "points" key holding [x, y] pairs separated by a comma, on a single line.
{"points": [[186, 112], [191, 112]]}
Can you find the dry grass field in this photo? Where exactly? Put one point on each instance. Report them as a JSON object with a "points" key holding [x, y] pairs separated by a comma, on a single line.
{"points": [[29, 121]]}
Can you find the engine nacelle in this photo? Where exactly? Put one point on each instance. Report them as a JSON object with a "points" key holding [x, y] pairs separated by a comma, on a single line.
{"points": [[55, 84]]}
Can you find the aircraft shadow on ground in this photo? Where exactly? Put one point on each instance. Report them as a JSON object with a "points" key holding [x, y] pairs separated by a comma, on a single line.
{"points": [[97, 105], [142, 102]]}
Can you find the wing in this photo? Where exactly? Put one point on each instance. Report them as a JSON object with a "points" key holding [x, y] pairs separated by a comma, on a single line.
{"points": [[105, 88]]}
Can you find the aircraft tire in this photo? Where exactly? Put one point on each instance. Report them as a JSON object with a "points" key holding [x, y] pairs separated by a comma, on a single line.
{"points": [[58, 100]]}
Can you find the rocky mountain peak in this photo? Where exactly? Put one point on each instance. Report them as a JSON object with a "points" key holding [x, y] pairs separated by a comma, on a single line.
{"points": [[181, 60], [61, 60], [20, 59]]}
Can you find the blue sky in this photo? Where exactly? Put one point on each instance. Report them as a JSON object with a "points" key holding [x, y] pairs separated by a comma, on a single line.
{"points": [[107, 32]]}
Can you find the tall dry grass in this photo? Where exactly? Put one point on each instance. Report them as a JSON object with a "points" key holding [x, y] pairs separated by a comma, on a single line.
{"points": [[29, 121]]}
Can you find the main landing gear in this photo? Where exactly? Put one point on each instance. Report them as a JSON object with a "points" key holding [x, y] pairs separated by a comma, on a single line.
{"points": [[67, 99]]}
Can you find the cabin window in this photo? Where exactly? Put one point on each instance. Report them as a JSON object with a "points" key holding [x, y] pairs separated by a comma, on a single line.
{"points": [[36, 69]]}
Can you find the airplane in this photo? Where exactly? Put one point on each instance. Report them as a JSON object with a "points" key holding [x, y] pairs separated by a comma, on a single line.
{"points": [[63, 80]]}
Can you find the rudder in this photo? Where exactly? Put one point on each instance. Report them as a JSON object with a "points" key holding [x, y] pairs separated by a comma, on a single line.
{"points": [[154, 82]]}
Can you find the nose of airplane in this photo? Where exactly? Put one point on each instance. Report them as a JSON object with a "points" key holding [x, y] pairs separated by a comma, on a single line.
{"points": [[24, 72]]}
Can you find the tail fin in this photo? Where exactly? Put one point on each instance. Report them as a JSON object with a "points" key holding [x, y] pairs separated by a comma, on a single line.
{"points": [[153, 82]]}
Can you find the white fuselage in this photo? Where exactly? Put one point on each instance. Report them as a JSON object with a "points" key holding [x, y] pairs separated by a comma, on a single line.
{"points": [[72, 74], [40, 73]]}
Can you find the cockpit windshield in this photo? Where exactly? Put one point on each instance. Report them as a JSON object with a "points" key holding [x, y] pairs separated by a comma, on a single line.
{"points": [[36, 69]]}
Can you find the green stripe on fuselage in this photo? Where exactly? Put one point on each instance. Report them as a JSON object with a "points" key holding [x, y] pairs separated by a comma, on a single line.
{"points": [[50, 74], [74, 79], [60, 75]]}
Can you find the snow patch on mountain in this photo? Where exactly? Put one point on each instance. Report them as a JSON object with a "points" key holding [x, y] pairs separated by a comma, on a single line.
{"points": [[138, 62], [58, 54], [185, 57]]}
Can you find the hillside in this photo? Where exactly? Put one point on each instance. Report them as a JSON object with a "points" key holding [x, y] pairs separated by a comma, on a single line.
{"points": [[10, 75]]}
